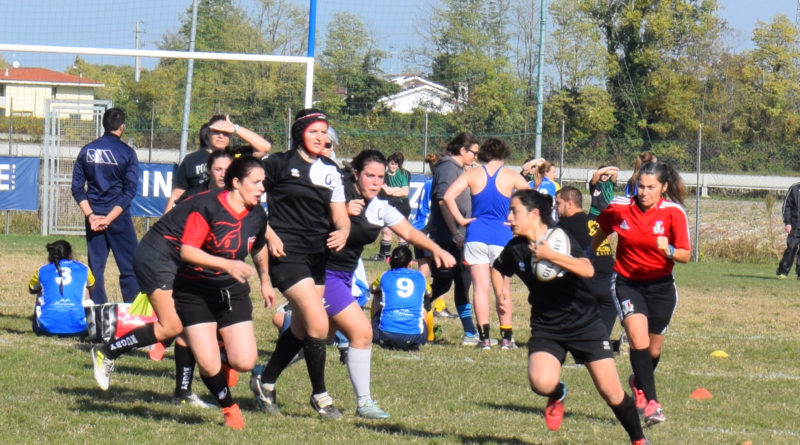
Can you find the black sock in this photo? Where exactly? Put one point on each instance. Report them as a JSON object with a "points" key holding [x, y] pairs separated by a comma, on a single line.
{"points": [[287, 347], [184, 370], [218, 385], [483, 331], [558, 393], [643, 370], [386, 248], [139, 337], [507, 333], [655, 362], [315, 362], [629, 418]]}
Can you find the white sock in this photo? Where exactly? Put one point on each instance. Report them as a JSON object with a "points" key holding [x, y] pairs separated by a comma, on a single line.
{"points": [[358, 366]]}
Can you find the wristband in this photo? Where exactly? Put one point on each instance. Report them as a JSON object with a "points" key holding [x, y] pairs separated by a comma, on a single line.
{"points": [[235, 128], [671, 251], [89, 215]]}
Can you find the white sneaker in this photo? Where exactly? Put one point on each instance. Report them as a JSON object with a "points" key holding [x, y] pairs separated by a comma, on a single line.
{"points": [[470, 340], [192, 400], [103, 368]]}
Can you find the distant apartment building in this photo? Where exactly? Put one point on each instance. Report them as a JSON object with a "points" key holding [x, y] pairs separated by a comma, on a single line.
{"points": [[25, 91]]}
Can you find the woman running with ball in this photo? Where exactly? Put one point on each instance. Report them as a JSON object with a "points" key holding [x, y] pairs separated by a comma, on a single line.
{"points": [[563, 314]]}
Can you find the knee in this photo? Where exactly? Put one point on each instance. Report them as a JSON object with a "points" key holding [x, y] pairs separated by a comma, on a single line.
{"points": [[362, 339], [244, 364], [170, 329]]}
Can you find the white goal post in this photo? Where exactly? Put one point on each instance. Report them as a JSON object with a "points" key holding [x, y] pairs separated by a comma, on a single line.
{"points": [[89, 51]]}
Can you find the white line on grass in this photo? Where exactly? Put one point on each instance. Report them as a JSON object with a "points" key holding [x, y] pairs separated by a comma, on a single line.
{"points": [[712, 429], [770, 376]]}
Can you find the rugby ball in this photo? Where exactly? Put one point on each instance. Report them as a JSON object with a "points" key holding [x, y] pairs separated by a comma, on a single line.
{"points": [[558, 241]]}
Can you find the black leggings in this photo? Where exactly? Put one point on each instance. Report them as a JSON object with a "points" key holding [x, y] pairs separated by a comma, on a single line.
{"points": [[443, 278]]}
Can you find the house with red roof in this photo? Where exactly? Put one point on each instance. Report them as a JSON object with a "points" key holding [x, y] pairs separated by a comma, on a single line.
{"points": [[25, 91]]}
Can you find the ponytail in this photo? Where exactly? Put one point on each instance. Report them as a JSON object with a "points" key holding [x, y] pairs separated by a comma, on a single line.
{"points": [[57, 251]]}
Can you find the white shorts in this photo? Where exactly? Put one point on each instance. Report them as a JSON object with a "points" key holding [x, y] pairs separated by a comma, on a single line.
{"points": [[476, 252]]}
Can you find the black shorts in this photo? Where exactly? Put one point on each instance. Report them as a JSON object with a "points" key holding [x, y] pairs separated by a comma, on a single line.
{"points": [[655, 299], [583, 351], [155, 264], [225, 307], [285, 272], [421, 254]]}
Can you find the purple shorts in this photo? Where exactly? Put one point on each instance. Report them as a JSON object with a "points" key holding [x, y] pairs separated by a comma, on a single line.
{"points": [[338, 291]]}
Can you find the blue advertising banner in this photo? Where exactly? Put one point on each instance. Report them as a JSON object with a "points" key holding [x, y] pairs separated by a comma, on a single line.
{"points": [[155, 186], [19, 183]]}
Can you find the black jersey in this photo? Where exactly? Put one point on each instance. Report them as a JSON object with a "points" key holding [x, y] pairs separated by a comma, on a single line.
{"points": [[582, 228], [298, 197], [364, 229], [562, 309], [213, 226], [192, 170], [166, 233]]}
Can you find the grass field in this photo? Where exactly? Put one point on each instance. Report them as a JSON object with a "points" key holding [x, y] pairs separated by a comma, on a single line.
{"points": [[442, 394]]}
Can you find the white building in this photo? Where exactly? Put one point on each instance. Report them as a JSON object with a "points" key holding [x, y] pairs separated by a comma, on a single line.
{"points": [[25, 91], [419, 93]]}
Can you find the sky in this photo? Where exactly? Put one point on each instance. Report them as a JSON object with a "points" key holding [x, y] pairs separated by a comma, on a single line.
{"points": [[111, 24]]}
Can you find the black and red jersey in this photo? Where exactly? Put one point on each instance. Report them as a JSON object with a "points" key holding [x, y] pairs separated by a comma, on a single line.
{"points": [[299, 195], [168, 230], [213, 226], [638, 257]]}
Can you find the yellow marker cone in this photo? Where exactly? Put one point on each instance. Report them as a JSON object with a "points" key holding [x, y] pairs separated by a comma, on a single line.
{"points": [[719, 353]]}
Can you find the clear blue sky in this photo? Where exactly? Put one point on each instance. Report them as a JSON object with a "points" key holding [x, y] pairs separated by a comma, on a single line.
{"points": [[111, 23]]}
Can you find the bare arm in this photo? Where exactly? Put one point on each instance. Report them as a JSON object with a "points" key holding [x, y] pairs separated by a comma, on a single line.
{"points": [[405, 230], [497, 284], [260, 145], [581, 267], [338, 238], [456, 188], [176, 193], [679, 255], [239, 270], [261, 260]]}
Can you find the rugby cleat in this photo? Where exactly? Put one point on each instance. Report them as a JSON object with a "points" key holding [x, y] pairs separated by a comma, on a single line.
{"points": [[653, 414], [102, 367], [323, 405]]}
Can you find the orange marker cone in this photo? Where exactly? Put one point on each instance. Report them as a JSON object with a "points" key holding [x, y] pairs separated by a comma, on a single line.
{"points": [[701, 393]]}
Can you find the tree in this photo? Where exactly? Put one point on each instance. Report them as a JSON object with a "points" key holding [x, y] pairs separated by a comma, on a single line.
{"points": [[469, 53], [352, 61], [656, 52]]}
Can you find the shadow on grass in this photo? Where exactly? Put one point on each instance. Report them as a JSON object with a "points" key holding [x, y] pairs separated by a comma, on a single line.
{"points": [[9, 320], [758, 277], [127, 402], [539, 411], [393, 428]]}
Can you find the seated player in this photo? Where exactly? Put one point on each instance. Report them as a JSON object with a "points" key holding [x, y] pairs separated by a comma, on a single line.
{"points": [[60, 288], [400, 297]]}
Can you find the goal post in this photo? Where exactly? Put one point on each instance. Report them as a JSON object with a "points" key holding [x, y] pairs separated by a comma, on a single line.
{"points": [[197, 55]]}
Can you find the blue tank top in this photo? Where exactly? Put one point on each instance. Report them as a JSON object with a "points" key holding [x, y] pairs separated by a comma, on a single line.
{"points": [[403, 292], [490, 208]]}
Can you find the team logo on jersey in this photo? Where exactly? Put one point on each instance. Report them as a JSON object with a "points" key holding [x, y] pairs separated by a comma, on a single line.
{"points": [[627, 308], [295, 173], [658, 228], [100, 156], [324, 175], [250, 241], [230, 241], [374, 212], [624, 225], [521, 266]]}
